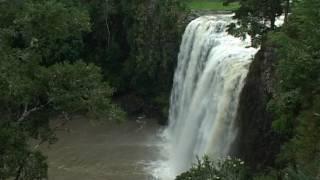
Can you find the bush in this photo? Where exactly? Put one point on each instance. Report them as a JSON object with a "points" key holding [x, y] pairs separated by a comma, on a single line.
{"points": [[205, 169]]}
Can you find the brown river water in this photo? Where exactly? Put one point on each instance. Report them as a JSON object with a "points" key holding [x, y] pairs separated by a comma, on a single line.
{"points": [[89, 150]]}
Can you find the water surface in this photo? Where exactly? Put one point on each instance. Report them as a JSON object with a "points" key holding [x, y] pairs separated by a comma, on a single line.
{"points": [[103, 151]]}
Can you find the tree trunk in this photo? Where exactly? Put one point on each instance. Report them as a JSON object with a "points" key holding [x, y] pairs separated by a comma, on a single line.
{"points": [[272, 23], [107, 23], [286, 11]]}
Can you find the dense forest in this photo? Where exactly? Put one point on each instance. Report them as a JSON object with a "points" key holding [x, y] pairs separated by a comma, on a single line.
{"points": [[60, 58]]}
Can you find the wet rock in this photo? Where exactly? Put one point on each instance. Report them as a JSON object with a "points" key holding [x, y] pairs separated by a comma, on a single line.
{"points": [[257, 144]]}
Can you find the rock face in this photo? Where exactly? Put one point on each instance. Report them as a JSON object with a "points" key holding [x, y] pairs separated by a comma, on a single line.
{"points": [[257, 144]]}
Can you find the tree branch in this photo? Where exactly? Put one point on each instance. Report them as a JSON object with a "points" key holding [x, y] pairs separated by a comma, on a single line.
{"points": [[66, 119], [27, 111]]}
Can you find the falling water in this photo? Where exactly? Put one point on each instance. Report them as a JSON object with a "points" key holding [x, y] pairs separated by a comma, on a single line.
{"points": [[212, 66]]}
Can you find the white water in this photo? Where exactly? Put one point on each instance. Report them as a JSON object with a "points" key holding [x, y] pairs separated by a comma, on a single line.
{"points": [[212, 66]]}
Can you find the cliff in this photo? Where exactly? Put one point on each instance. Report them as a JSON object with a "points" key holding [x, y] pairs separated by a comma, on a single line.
{"points": [[257, 144]]}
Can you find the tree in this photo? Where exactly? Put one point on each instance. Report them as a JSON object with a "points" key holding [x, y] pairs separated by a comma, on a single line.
{"points": [[42, 78], [256, 18], [17, 159], [154, 38], [295, 103], [140, 46]]}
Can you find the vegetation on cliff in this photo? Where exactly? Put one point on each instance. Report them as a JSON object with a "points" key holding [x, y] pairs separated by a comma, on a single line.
{"points": [[296, 99]]}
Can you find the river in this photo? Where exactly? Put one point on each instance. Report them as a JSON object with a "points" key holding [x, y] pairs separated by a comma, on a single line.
{"points": [[89, 150]]}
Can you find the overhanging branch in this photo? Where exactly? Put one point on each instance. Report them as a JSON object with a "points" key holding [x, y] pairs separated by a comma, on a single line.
{"points": [[27, 111]]}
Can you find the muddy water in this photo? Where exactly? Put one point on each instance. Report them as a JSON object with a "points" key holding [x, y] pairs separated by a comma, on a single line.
{"points": [[103, 151]]}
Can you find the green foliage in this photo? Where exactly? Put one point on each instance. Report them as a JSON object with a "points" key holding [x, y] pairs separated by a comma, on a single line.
{"points": [[297, 70], [154, 38], [55, 58], [79, 87], [287, 174], [303, 149], [41, 77], [296, 99], [212, 5], [17, 159], [227, 169], [256, 18], [136, 43], [50, 28]]}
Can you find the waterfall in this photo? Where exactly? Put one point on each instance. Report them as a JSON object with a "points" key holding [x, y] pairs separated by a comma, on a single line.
{"points": [[212, 66]]}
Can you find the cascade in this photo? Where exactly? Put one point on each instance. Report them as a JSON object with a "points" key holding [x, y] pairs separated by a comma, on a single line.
{"points": [[212, 67]]}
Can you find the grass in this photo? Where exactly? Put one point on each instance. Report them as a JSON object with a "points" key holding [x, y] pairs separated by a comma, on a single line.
{"points": [[213, 5]]}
